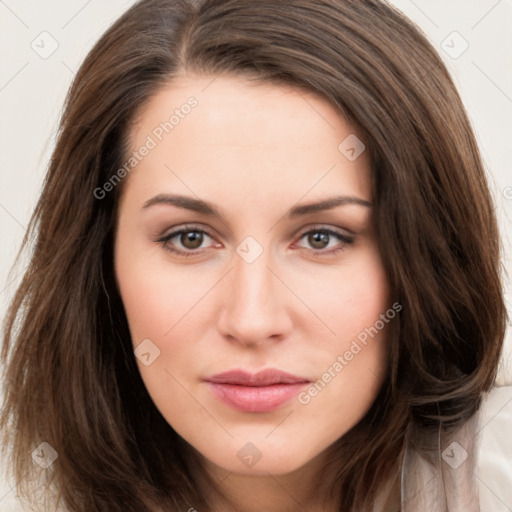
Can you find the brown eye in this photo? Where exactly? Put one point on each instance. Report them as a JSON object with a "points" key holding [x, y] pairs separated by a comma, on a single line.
{"points": [[185, 241], [320, 239], [191, 239]]}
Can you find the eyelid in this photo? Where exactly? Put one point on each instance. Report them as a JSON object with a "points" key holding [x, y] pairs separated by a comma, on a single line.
{"points": [[184, 228], [324, 227]]}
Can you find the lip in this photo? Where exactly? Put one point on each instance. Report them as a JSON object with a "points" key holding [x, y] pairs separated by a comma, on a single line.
{"points": [[264, 391]]}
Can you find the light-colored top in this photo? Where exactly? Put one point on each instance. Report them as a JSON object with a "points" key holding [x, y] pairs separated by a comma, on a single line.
{"points": [[471, 472]]}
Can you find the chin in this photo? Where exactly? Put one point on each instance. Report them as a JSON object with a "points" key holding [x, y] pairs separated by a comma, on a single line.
{"points": [[258, 458]]}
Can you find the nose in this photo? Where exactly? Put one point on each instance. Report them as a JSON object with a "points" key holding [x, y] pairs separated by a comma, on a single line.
{"points": [[256, 305]]}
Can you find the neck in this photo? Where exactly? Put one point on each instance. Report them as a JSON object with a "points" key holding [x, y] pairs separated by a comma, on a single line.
{"points": [[303, 489], [306, 488]]}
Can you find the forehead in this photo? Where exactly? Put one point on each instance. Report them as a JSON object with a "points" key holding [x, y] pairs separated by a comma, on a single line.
{"points": [[259, 138]]}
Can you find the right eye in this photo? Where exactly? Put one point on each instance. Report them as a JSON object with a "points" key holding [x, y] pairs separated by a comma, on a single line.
{"points": [[188, 240]]}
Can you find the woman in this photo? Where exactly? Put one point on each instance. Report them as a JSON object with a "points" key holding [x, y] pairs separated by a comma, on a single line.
{"points": [[265, 273]]}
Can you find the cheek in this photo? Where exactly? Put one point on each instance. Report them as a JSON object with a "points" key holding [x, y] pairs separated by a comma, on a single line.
{"points": [[354, 361], [155, 294], [157, 299], [163, 308], [346, 299], [343, 393]]}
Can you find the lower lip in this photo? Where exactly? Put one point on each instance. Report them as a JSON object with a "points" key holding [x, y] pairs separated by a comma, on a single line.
{"points": [[257, 398]]}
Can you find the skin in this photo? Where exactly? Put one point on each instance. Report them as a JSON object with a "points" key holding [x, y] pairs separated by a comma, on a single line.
{"points": [[254, 151]]}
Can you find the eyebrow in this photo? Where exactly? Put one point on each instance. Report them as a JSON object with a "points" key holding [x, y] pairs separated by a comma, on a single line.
{"points": [[199, 206]]}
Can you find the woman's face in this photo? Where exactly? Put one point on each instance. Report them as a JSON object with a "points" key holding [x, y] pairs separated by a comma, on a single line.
{"points": [[264, 278]]}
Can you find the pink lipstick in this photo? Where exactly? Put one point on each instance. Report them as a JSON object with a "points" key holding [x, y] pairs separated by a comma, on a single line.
{"points": [[264, 391]]}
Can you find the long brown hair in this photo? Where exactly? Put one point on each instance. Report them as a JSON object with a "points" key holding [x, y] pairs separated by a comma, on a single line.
{"points": [[71, 378]]}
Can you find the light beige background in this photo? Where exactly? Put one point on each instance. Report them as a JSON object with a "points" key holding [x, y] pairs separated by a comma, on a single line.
{"points": [[33, 86]]}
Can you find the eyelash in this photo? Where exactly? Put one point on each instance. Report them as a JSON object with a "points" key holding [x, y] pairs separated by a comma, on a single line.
{"points": [[164, 241]]}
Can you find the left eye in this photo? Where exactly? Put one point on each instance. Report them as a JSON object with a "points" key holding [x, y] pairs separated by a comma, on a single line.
{"points": [[320, 238], [189, 240]]}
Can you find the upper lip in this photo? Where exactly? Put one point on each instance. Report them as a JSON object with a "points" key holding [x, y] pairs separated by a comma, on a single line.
{"points": [[267, 377]]}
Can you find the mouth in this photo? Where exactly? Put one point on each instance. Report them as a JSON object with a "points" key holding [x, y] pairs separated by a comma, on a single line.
{"points": [[264, 391]]}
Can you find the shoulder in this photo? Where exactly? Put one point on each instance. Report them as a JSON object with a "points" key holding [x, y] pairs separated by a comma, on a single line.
{"points": [[495, 451]]}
